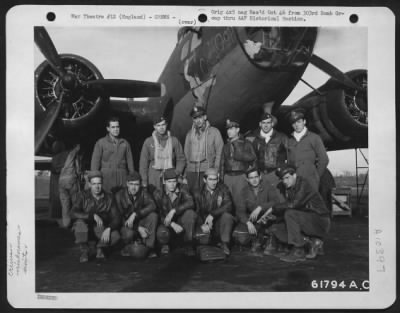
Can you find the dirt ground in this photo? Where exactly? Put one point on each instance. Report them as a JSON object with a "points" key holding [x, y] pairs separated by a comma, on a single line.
{"points": [[345, 260]]}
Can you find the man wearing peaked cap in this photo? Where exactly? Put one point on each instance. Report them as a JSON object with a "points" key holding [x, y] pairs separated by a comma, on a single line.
{"points": [[237, 156], [160, 151], [203, 148], [176, 209], [139, 216], [306, 219], [96, 218], [306, 150], [270, 147]]}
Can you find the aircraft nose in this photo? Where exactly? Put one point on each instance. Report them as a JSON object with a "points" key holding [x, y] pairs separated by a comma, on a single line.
{"points": [[277, 47]]}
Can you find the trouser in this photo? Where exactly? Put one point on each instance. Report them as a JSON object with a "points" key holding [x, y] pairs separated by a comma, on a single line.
{"points": [[195, 180], [235, 185], [297, 224], [188, 222], [85, 233], [68, 189], [222, 227], [155, 178], [149, 222]]}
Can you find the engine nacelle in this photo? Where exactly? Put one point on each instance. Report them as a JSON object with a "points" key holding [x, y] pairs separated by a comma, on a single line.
{"points": [[337, 113], [78, 107]]}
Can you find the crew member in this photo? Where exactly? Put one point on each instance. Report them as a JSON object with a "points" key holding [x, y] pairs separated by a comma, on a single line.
{"points": [[203, 148], [237, 156], [255, 199], [69, 183], [138, 212], [214, 209], [113, 157], [306, 218], [270, 147], [159, 152], [176, 209], [96, 218], [306, 150]]}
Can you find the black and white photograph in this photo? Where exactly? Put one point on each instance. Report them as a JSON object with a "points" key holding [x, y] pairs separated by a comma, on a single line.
{"points": [[201, 160]]}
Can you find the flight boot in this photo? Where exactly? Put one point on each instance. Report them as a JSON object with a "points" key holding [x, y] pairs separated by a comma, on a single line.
{"points": [[165, 250], [84, 257], [271, 247], [255, 245], [100, 254], [297, 254]]}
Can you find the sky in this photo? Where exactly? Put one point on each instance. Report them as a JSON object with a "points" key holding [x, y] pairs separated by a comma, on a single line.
{"points": [[141, 53]]}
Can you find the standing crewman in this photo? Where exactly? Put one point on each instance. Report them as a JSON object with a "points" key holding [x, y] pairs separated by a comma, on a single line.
{"points": [[203, 148], [96, 218], [160, 151], [306, 219], [176, 209], [113, 157], [138, 212], [214, 209], [306, 150], [69, 183], [237, 156], [270, 147]]}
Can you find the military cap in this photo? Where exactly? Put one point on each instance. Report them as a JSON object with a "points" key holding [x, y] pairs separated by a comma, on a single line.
{"points": [[285, 169], [266, 116], [170, 173], [295, 115], [231, 123], [197, 111], [158, 119], [93, 174], [133, 176], [211, 171]]}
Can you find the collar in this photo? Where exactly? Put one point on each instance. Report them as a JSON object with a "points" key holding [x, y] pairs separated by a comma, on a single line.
{"points": [[299, 136], [161, 137], [202, 129], [266, 135], [116, 140], [102, 195]]}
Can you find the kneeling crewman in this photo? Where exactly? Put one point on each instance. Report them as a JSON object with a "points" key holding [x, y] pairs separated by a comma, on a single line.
{"points": [[96, 218], [306, 218], [138, 211], [176, 209], [214, 208]]}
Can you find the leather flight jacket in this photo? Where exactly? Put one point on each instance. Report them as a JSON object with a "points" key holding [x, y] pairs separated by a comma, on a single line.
{"points": [[237, 157]]}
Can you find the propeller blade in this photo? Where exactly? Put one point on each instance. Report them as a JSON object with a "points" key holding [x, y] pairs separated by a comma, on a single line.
{"points": [[49, 51], [333, 72], [43, 126], [124, 88]]}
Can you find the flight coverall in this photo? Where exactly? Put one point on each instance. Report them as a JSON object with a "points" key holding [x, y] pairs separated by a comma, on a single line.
{"points": [[264, 196], [114, 160], [219, 205], [184, 216], [304, 213], [309, 156], [144, 207], [85, 226], [237, 157]]}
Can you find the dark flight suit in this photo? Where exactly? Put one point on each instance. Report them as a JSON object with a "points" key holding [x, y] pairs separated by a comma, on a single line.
{"points": [[184, 216], [219, 205], [304, 213], [144, 207]]}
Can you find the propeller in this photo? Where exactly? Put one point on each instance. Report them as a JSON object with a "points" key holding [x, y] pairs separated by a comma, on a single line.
{"points": [[44, 124], [334, 72], [69, 88]]}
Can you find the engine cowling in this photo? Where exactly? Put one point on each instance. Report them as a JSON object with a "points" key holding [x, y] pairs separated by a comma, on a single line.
{"points": [[79, 107], [337, 113]]}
